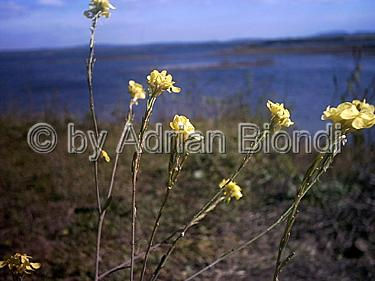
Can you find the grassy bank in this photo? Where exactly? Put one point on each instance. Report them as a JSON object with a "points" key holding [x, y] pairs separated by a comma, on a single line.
{"points": [[48, 209]]}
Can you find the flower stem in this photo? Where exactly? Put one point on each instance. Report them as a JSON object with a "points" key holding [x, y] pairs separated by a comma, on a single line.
{"points": [[176, 163], [320, 165], [170, 250], [90, 67], [135, 169], [103, 212], [154, 230]]}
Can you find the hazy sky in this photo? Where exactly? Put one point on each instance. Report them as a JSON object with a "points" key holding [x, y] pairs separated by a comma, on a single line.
{"points": [[59, 23]]}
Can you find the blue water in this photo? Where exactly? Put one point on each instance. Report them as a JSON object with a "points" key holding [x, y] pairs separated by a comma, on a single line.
{"points": [[209, 74]]}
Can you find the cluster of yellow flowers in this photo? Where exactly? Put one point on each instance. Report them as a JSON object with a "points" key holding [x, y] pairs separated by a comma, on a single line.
{"points": [[280, 115], [159, 82], [231, 190], [99, 7], [353, 115], [20, 264], [182, 125]]}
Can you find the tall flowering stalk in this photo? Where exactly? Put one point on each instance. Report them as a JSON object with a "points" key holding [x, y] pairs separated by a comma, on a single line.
{"points": [[183, 130], [351, 116], [97, 8], [90, 66], [280, 117], [158, 82]]}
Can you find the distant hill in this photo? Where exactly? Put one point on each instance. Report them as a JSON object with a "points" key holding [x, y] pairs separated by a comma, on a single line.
{"points": [[322, 43], [334, 41]]}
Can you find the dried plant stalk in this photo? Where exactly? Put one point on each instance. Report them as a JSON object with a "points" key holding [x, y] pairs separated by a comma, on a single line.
{"points": [[90, 67], [135, 169], [176, 163], [103, 212]]}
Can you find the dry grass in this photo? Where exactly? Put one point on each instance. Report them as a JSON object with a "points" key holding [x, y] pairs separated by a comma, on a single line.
{"points": [[47, 209]]}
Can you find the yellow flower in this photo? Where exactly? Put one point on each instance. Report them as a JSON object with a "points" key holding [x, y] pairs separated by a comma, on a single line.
{"points": [[20, 264], [231, 190], [105, 156], [136, 91], [103, 7], [353, 115], [159, 82], [182, 125], [280, 115]]}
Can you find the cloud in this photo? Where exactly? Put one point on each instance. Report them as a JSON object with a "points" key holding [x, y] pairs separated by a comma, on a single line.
{"points": [[51, 2]]}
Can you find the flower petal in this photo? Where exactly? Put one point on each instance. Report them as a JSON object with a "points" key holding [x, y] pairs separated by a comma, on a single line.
{"points": [[35, 265]]}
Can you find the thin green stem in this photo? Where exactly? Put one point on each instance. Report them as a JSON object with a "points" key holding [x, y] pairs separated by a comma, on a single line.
{"points": [[103, 212], [320, 165], [154, 230], [181, 235], [135, 169], [90, 67], [176, 163]]}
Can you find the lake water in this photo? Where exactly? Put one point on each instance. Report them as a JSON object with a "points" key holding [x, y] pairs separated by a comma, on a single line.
{"points": [[209, 74]]}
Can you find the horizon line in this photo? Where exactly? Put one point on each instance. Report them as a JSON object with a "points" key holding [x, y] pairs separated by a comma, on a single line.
{"points": [[324, 35]]}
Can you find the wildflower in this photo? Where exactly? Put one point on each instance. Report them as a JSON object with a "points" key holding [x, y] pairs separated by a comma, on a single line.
{"points": [[20, 264], [159, 82], [231, 190], [105, 156], [98, 8], [136, 91], [280, 115], [353, 115], [182, 125]]}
